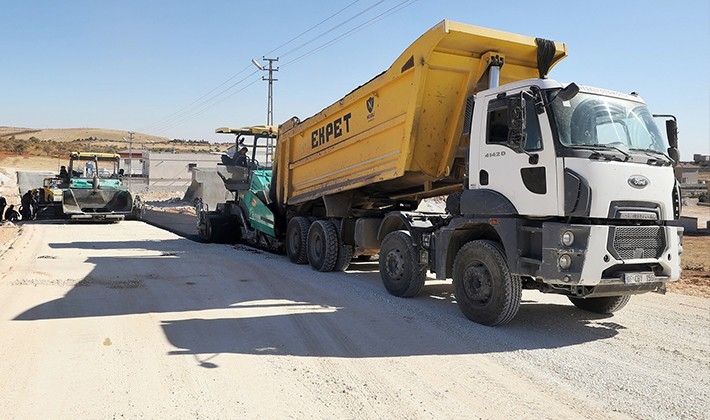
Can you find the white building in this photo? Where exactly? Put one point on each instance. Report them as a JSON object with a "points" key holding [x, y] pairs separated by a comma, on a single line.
{"points": [[174, 170], [131, 162]]}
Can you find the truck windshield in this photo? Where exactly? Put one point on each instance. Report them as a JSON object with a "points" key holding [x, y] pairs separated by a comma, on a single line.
{"points": [[590, 121]]}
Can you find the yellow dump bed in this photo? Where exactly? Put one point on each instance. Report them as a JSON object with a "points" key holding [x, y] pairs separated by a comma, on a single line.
{"points": [[400, 134]]}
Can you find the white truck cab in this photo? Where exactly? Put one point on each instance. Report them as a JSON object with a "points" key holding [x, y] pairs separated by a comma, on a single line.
{"points": [[577, 185]]}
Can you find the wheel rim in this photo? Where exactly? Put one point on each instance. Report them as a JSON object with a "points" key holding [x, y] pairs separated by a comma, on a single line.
{"points": [[318, 246], [394, 264], [294, 242], [478, 283]]}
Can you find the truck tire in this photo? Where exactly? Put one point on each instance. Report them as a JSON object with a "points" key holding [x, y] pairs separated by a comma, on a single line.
{"points": [[401, 273], [323, 245], [601, 305], [486, 291], [345, 255], [297, 240]]}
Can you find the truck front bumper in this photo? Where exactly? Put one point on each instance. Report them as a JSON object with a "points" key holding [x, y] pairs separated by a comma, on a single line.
{"points": [[610, 260]]}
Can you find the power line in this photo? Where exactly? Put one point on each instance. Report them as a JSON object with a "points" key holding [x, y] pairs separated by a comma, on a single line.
{"points": [[313, 27], [202, 106], [331, 29], [354, 30], [206, 108], [184, 113], [207, 102], [187, 109], [168, 117]]}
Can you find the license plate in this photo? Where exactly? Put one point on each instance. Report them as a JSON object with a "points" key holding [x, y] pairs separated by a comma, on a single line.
{"points": [[633, 278]]}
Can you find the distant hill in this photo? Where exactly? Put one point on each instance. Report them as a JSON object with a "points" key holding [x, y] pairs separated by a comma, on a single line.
{"points": [[59, 141], [70, 134]]}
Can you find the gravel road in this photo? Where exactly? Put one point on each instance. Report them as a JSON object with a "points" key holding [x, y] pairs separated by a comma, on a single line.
{"points": [[130, 321]]}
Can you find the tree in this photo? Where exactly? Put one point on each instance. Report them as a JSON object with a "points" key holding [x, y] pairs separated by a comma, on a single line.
{"points": [[20, 147], [48, 148]]}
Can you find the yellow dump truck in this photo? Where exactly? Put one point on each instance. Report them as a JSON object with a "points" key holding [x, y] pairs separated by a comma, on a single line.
{"points": [[560, 188], [401, 135]]}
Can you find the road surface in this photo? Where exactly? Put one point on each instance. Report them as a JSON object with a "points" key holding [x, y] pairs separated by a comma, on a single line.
{"points": [[131, 321]]}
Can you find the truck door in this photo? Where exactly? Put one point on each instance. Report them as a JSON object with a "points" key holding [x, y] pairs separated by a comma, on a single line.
{"points": [[528, 178]]}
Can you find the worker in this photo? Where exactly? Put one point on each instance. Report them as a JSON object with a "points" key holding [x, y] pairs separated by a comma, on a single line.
{"points": [[89, 169], [241, 158], [3, 203], [35, 201], [26, 205], [63, 174], [11, 214]]}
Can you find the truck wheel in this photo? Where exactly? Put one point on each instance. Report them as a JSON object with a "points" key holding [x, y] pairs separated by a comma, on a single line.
{"points": [[323, 245], [485, 290], [297, 240], [345, 255], [601, 305], [400, 270]]}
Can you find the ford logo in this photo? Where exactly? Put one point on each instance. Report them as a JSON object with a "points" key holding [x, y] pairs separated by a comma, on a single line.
{"points": [[638, 181]]}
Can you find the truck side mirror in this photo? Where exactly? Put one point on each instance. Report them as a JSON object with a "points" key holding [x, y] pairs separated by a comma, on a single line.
{"points": [[569, 92], [672, 133], [516, 122]]}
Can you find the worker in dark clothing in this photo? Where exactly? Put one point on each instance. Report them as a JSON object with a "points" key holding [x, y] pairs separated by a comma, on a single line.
{"points": [[11, 214], [26, 205], [63, 174], [241, 158], [35, 202], [3, 203]]}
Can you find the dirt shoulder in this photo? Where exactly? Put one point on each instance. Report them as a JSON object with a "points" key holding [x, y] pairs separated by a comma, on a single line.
{"points": [[695, 280]]}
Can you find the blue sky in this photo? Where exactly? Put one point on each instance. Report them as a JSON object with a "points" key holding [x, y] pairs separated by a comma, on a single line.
{"points": [[182, 68]]}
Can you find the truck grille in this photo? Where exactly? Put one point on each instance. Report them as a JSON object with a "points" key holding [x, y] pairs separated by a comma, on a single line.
{"points": [[637, 242]]}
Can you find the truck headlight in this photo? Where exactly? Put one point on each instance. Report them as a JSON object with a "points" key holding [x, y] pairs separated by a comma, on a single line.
{"points": [[567, 238], [565, 261]]}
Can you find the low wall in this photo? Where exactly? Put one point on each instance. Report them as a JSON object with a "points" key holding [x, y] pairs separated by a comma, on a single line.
{"points": [[31, 180]]}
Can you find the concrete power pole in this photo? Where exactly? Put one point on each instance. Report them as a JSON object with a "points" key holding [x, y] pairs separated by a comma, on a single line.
{"points": [[130, 158], [270, 68]]}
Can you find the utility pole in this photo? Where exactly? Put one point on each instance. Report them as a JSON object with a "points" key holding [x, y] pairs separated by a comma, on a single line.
{"points": [[271, 80], [270, 106], [130, 154], [130, 157]]}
